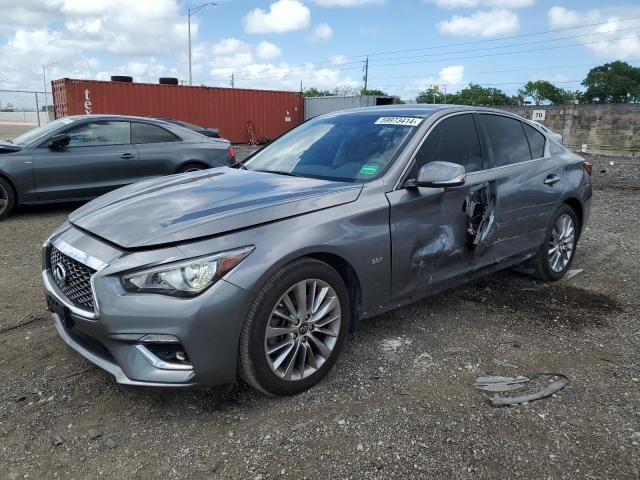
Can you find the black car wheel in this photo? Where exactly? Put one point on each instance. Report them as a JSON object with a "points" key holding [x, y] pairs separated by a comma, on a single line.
{"points": [[558, 251], [192, 167], [7, 198], [295, 329]]}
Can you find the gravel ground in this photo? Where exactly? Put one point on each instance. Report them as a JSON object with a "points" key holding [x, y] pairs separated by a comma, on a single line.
{"points": [[400, 402]]}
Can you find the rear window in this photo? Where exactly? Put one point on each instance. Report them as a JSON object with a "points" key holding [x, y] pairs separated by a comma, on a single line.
{"points": [[507, 139], [145, 133], [536, 141]]}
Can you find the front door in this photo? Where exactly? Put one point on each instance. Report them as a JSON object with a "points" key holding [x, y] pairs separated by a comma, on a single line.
{"points": [[99, 158], [439, 235]]}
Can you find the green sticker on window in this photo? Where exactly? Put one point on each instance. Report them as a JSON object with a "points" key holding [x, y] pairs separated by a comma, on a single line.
{"points": [[369, 170]]}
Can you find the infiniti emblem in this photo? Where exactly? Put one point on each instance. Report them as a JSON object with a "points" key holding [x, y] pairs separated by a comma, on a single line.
{"points": [[60, 274]]}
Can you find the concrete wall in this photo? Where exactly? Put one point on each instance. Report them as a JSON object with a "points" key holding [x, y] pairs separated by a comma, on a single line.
{"points": [[605, 129]]}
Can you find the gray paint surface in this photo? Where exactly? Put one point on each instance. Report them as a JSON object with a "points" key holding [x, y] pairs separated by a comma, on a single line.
{"points": [[40, 174], [401, 243]]}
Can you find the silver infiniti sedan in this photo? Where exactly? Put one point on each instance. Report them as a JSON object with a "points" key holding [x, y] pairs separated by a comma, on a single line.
{"points": [[260, 270]]}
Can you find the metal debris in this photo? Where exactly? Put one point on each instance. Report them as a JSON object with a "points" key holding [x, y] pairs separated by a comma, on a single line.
{"points": [[503, 384]]}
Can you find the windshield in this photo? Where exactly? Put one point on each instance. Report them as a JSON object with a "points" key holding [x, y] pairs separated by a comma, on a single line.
{"points": [[40, 132], [349, 148]]}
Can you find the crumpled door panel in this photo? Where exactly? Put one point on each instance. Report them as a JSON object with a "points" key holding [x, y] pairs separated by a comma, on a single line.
{"points": [[479, 206]]}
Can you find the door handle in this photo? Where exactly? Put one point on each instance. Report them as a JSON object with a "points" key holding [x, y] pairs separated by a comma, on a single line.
{"points": [[551, 180], [127, 156]]}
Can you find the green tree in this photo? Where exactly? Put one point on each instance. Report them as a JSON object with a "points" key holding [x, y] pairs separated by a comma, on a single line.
{"points": [[615, 82], [375, 92], [314, 92], [431, 96], [542, 91]]}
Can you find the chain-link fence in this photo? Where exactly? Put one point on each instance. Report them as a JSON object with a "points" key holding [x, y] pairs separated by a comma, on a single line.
{"points": [[25, 107]]}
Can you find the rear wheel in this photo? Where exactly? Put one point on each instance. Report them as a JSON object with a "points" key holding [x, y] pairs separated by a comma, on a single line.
{"points": [[296, 328], [557, 253], [7, 198], [192, 167]]}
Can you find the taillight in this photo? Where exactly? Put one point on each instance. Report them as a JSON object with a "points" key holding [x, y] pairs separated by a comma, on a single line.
{"points": [[230, 152], [587, 167]]}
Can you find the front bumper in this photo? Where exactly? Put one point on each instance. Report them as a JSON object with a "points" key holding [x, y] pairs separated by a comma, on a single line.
{"points": [[207, 328]]}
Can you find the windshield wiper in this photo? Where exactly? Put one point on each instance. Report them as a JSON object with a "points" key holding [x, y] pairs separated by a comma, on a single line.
{"points": [[240, 166], [278, 172]]}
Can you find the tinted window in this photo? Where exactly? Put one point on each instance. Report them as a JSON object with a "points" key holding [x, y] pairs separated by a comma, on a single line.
{"points": [[100, 133], [145, 133], [507, 139], [536, 141], [352, 147], [453, 140]]}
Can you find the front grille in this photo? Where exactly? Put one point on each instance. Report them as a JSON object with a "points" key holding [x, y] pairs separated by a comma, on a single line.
{"points": [[72, 278]]}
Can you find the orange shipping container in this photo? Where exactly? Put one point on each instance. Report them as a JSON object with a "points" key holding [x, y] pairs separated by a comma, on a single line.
{"points": [[237, 112]]}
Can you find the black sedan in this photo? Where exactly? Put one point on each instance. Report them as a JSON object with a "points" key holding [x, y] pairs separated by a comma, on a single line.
{"points": [[207, 132], [82, 157]]}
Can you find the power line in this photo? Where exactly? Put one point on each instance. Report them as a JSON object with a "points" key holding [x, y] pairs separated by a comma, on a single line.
{"points": [[474, 42]]}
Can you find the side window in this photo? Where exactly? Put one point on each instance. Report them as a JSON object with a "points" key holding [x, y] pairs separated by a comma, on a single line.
{"points": [[145, 133], [100, 134], [536, 141], [507, 139], [454, 140]]}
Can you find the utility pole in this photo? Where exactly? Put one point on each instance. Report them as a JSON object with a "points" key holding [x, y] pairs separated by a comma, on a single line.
{"points": [[232, 81], [365, 75], [192, 11], [44, 84], [445, 94]]}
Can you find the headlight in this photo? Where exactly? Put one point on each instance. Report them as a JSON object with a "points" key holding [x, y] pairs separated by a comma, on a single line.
{"points": [[186, 278]]}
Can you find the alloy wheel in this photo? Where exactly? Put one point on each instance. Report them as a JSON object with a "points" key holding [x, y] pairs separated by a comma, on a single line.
{"points": [[561, 243], [303, 329], [4, 199]]}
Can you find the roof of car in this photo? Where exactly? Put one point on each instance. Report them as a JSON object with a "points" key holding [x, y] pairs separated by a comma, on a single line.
{"points": [[113, 117]]}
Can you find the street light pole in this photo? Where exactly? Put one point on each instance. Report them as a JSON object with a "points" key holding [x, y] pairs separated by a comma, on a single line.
{"points": [[192, 11], [44, 84]]}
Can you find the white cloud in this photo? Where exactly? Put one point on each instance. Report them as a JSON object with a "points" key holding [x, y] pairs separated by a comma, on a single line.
{"points": [[347, 3], [481, 24], [322, 32], [452, 75], [268, 51], [451, 4], [612, 39], [560, 17], [283, 16], [337, 59]]}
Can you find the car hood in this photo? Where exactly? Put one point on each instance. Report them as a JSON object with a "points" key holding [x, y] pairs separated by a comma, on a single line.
{"points": [[8, 147], [185, 207]]}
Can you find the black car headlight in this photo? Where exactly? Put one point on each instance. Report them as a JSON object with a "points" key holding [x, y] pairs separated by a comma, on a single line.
{"points": [[185, 278]]}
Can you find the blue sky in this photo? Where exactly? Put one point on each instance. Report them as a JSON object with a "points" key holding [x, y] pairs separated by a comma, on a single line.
{"points": [[412, 44]]}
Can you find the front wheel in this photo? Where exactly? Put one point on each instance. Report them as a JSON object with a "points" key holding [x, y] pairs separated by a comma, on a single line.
{"points": [[295, 329], [7, 198], [557, 253]]}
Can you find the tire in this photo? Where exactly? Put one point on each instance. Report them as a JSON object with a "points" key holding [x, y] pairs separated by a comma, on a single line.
{"points": [[545, 268], [192, 167], [121, 78], [168, 81], [308, 364], [7, 198]]}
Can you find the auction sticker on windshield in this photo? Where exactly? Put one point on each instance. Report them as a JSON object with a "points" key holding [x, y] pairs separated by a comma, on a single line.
{"points": [[406, 121]]}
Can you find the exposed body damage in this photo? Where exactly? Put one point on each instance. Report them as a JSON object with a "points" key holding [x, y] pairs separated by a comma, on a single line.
{"points": [[480, 209]]}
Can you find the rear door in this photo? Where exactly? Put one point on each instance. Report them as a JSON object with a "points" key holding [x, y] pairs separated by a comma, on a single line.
{"points": [[430, 227], [529, 183], [156, 146], [99, 158]]}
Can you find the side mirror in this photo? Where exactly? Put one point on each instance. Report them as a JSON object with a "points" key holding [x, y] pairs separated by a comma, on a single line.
{"points": [[439, 175], [60, 140]]}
